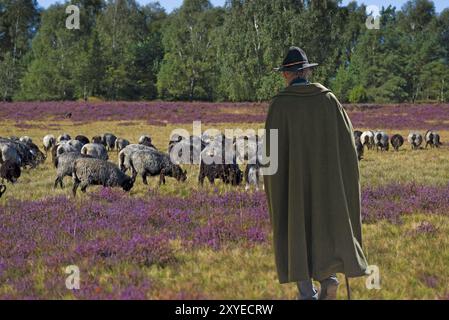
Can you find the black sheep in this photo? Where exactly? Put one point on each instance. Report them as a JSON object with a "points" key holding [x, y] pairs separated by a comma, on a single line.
{"points": [[83, 139], [397, 141], [360, 149], [228, 173], [10, 171]]}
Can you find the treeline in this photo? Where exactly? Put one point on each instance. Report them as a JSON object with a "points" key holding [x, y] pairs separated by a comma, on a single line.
{"points": [[126, 51]]}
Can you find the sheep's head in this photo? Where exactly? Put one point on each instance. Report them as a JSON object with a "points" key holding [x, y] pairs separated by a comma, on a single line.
{"points": [[178, 174], [128, 183], [10, 171]]}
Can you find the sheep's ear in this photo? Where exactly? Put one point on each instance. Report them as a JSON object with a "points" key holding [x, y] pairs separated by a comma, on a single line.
{"points": [[2, 189]]}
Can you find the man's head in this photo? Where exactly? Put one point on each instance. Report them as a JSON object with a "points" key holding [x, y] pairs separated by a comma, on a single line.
{"points": [[296, 65], [289, 76]]}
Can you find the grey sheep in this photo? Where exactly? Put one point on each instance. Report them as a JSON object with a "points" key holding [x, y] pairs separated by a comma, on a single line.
{"points": [[152, 163], [48, 142], [125, 155], [381, 141], [108, 140], [415, 139], [121, 144], [21, 153], [432, 139], [90, 171], [64, 137], [65, 147], [95, 150], [65, 164], [192, 146]]}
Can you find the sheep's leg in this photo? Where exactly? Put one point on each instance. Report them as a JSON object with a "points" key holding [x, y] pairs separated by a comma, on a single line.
{"points": [[76, 183], [84, 186], [201, 179], [58, 181], [162, 177], [144, 178]]}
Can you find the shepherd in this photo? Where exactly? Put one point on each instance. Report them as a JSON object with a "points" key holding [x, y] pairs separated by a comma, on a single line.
{"points": [[314, 197]]}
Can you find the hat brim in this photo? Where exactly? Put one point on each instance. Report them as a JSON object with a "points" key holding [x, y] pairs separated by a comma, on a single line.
{"points": [[296, 68]]}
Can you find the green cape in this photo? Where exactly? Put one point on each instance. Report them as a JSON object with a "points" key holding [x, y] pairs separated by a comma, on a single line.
{"points": [[314, 198]]}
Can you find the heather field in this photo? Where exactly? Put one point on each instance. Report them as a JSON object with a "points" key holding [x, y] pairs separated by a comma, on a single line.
{"points": [[180, 241]]}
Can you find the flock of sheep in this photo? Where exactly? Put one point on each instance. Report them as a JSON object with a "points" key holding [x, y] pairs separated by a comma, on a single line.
{"points": [[381, 141], [87, 160]]}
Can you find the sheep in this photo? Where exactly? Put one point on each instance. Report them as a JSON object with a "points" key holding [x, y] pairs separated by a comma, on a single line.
{"points": [[121, 144], [48, 142], [432, 139], [193, 145], [64, 137], [397, 141], [152, 163], [90, 171], [253, 175], [26, 139], [357, 135], [83, 139], [95, 150], [415, 139], [9, 153], [21, 153], [381, 141], [367, 139], [97, 139], [108, 140], [2, 189], [66, 147], [10, 171], [145, 140], [360, 149], [251, 149], [125, 154], [228, 173], [64, 164]]}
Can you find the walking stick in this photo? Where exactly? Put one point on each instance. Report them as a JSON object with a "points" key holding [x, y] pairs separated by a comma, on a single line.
{"points": [[348, 288]]}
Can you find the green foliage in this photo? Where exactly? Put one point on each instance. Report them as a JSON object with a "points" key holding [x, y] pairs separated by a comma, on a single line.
{"points": [[357, 95], [188, 69], [126, 51]]}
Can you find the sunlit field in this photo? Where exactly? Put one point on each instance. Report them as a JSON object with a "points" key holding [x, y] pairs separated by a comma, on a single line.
{"points": [[183, 241]]}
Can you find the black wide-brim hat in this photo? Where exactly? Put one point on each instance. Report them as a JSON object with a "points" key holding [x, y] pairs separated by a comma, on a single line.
{"points": [[295, 60]]}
